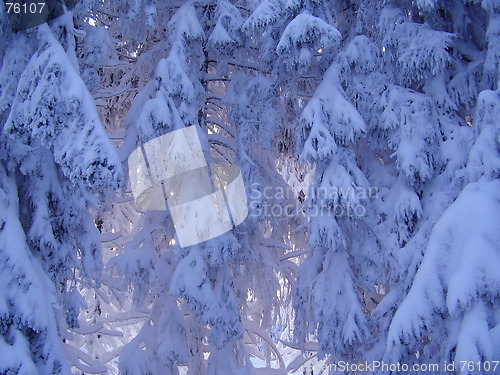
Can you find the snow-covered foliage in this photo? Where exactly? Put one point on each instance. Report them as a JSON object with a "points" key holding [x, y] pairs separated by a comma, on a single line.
{"points": [[368, 137], [302, 38], [53, 107], [29, 306], [417, 49], [56, 159], [458, 282]]}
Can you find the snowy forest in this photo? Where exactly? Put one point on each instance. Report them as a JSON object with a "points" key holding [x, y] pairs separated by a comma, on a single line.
{"points": [[367, 136]]}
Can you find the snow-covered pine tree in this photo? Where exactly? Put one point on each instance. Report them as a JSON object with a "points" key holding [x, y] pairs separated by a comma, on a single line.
{"points": [[421, 91], [210, 281], [456, 279], [327, 293], [29, 338], [384, 92], [56, 159], [304, 43], [437, 55], [397, 96]]}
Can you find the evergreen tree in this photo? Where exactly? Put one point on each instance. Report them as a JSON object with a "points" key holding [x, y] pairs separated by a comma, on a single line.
{"points": [[56, 160], [368, 140]]}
